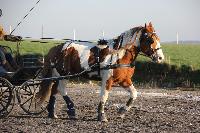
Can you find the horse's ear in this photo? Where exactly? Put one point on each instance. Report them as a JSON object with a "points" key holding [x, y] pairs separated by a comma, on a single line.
{"points": [[150, 24], [145, 25]]}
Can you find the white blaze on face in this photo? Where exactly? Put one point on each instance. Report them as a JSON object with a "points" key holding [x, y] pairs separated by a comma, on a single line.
{"points": [[159, 53]]}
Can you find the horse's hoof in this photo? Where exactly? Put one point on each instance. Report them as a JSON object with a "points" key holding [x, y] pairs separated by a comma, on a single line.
{"points": [[122, 110], [53, 116], [104, 120], [72, 114], [122, 116], [72, 117], [102, 117]]}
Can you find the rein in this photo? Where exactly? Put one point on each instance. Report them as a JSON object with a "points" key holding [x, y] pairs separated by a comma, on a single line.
{"points": [[88, 70], [151, 57]]}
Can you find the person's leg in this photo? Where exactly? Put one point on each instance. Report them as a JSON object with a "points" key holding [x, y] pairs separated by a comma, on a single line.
{"points": [[11, 61]]}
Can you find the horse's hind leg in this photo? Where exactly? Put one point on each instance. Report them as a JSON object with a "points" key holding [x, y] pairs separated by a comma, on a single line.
{"points": [[62, 89], [70, 107], [133, 95], [52, 101]]}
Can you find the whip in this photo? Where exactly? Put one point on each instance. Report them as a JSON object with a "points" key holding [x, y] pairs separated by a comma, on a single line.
{"points": [[23, 17]]}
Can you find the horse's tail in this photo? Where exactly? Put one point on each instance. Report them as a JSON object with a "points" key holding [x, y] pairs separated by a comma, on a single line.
{"points": [[45, 88], [46, 85]]}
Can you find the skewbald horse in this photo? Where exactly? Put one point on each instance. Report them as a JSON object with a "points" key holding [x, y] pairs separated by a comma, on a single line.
{"points": [[111, 60]]}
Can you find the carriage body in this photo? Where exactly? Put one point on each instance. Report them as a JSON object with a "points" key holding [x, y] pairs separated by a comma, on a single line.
{"points": [[12, 84]]}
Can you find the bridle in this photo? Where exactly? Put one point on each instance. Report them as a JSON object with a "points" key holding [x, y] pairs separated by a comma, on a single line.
{"points": [[148, 37]]}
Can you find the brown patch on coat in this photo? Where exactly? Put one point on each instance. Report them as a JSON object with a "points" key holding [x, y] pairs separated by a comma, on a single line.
{"points": [[123, 75], [94, 54], [71, 61]]}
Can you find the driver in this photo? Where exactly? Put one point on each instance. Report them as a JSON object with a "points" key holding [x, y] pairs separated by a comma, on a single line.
{"points": [[6, 60], [2, 62]]}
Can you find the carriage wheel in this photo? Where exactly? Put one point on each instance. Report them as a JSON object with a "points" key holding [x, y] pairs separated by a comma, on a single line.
{"points": [[7, 98], [26, 96]]}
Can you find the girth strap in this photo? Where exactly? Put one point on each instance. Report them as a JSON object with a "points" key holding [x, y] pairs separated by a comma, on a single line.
{"points": [[114, 66]]}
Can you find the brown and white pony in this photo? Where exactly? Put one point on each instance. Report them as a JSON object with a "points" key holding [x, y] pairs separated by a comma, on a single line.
{"points": [[112, 61]]}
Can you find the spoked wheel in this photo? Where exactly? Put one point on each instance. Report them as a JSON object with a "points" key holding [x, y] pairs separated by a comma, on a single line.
{"points": [[27, 99], [7, 99]]}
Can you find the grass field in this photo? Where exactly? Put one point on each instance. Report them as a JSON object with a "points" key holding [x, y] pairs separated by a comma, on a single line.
{"points": [[29, 46], [187, 54], [183, 55]]}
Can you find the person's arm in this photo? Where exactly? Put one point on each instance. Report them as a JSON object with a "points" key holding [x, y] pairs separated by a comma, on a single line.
{"points": [[2, 57]]}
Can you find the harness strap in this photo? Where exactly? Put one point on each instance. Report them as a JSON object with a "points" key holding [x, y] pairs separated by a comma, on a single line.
{"points": [[114, 66], [98, 61]]}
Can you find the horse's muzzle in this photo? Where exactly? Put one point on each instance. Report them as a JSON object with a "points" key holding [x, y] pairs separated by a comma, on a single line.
{"points": [[157, 59]]}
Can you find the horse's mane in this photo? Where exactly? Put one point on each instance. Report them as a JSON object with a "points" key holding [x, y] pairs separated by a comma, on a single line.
{"points": [[124, 38], [128, 46], [127, 36]]}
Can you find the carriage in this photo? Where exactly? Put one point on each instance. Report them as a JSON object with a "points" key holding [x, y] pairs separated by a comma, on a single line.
{"points": [[13, 85]]}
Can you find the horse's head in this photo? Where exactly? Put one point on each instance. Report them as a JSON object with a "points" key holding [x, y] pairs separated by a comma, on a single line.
{"points": [[150, 43]]}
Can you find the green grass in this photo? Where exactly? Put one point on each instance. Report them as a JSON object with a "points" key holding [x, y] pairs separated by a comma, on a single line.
{"points": [[29, 47], [179, 55], [174, 54]]}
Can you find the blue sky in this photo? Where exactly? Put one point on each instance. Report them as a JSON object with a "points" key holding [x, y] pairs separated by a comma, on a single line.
{"points": [[91, 17]]}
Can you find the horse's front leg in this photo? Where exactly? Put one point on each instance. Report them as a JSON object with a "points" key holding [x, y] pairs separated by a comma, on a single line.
{"points": [[133, 95], [101, 112], [105, 88]]}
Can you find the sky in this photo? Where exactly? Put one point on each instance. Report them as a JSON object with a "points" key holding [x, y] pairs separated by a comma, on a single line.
{"points": [[90, 18]]}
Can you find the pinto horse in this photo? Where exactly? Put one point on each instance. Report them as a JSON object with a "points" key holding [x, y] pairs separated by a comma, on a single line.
{"points": [[111, 60]]}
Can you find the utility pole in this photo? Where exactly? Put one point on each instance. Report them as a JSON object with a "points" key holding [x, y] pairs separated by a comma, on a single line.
{"points": [[177, 38], [10, 29], [0, 12], [103, 34], [42, 31], [74, 31]]}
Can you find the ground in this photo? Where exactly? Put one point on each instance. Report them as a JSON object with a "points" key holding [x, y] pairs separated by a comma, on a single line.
{"points": [[155, 110]]}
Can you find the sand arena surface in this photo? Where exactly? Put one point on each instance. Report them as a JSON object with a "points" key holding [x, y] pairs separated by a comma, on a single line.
{"points": [[155, 110]]}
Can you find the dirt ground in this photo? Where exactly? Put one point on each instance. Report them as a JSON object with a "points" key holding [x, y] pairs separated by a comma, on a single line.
{"points": [[155, 110]]}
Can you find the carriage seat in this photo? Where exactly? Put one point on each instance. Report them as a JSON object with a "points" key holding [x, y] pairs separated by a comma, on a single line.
{"points": [[32, 61], [21, 75]]}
